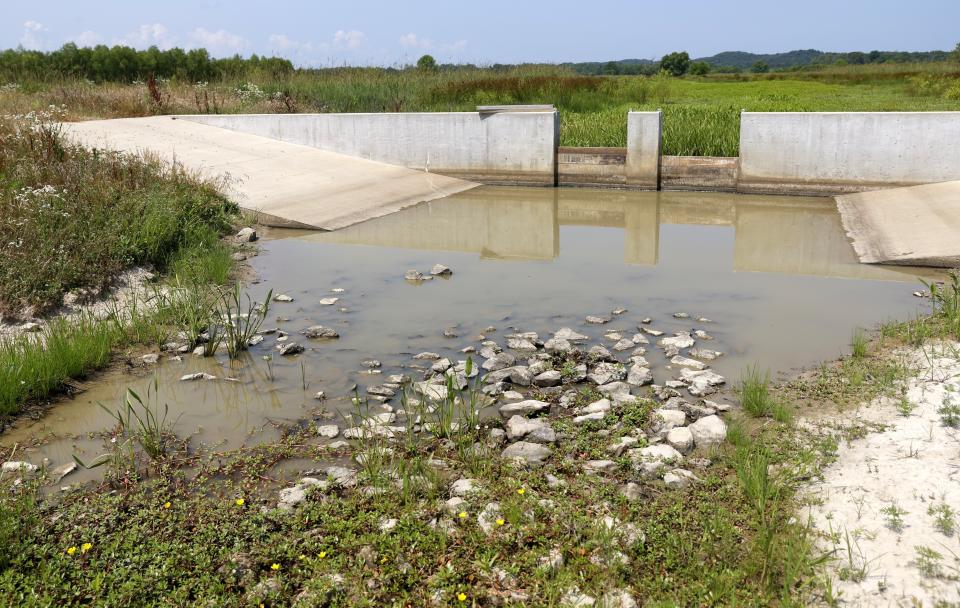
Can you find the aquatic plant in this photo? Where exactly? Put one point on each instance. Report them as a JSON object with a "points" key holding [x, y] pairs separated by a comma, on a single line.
{"points": [[241, 324]]}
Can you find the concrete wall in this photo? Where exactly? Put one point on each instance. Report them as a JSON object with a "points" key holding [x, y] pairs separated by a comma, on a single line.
{"points": [[831, 152], [705, 173], [644, 131], [497, 148], [601, 167]]}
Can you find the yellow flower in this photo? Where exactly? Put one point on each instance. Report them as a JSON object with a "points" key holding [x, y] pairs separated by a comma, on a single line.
{"points": [[85, 547], [521, 491], [166, 505], [71, 550], [322, 554], [275, 567], [500, 522], [302, 557], [462, 514], [239, 502], [462, 596]]}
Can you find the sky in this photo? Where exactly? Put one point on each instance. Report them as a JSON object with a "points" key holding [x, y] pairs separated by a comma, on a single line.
{"points": [[366, 32]]}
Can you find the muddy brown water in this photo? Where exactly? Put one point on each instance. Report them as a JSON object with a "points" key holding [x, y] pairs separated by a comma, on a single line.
{"points": [[775, 274]]}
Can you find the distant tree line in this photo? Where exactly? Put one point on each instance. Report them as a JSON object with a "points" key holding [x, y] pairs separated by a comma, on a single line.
{"points": [[733, 62], [124, 64]]}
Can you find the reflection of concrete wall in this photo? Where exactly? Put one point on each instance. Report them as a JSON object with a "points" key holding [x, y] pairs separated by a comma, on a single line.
{"points": [[846, 151], [803, 236], [496, 223], [641, 238], [643, 149], [500, 147]]}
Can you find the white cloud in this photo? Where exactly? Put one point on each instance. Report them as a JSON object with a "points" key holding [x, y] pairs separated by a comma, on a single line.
{"points": [[220, 42], [459, 45], [412, 41], [151, 34], [87, 38], [32, 37], [351, 39]]}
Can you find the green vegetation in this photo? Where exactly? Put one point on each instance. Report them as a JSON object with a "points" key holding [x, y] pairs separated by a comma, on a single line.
{"points": [[701, 112], [74, 219]]}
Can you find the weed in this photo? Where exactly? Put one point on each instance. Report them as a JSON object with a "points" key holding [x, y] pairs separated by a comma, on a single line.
{"points": [[949, 412], [240, 327], [894, 517], [944, 518], [928, 562], [755, 394], [859, 344]]}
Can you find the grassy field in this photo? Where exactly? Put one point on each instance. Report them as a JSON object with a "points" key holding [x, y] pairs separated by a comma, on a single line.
{"points": [[701, 114]]}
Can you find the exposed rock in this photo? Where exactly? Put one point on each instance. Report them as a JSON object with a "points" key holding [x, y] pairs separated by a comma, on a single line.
{"points": [[632, 491], [605, 372], [618, 311], [499, 361], [150, 359], [548, 378], [639, 375], [289, 349], [558, 346], [640, 339], [603, 406], [708, 431], [320, 395], [573, 598], [18, 466], [701, 382], [197, 376], [254, 340], [651, 332], [681, 439], [552, 560], [441, 366], [527, 453], [62, 471], [246, 235], [599, 353], [282, 297], [388, 525], [568, 334], [702, 335], [599, 466], [534, 430], [521, 344], [449, 333], [462, 487], [517, 374], [688, 362], [618, 598], [594, 320], [511, 397], [705, 354], [523, 408], [679, 478], [613, 336], [623, 344], [488, 516], [342, 476], [426, 356], [293, 496], [663, 420], [320, 331], [595, 416], [652, 459], [679, 340], [328, 431], [622, 444], [416, 275], [439, 270]]}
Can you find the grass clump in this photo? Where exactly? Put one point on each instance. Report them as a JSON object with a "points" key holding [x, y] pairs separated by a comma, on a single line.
{"points": [[755, 395], [74, 218]]}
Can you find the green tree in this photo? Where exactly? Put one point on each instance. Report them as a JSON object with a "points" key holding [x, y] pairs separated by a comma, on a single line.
{"points": [[699, 68], [676, 64], [427, 63], [760, 67], [955, 55], [611, 68]]}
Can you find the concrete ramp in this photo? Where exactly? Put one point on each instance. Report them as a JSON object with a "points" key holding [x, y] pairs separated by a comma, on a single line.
{"points": [[914, 226], [286, 184]]}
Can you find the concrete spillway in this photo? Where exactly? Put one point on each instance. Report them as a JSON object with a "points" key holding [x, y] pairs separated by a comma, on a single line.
{"points": [[915, 226], [285, 184]]}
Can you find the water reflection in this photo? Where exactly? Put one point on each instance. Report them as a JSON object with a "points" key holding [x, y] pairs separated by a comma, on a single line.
{"points": [[794, 235]]}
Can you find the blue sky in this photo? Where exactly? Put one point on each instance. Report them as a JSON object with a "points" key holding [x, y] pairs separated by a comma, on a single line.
{"points": [[391, 32]]}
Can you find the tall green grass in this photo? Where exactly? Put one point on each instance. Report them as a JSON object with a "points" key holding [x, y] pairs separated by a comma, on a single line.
{"points": [[34, 366]]}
